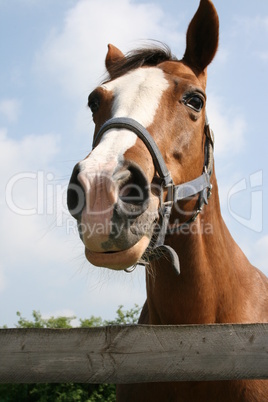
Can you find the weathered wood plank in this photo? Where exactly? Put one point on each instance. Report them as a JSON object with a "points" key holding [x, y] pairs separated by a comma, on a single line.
{"points": [[129, 354]]}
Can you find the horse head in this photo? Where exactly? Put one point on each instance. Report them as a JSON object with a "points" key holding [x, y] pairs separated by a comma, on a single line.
{"points": [[150, 139]]}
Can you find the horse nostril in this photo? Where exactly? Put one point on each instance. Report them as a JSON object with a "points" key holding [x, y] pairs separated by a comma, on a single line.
{"points": [[134, 188], [132, 191], [75, 194]]}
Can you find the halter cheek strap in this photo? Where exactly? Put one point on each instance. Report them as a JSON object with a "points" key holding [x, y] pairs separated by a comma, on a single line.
{"points": [[200, 185]]}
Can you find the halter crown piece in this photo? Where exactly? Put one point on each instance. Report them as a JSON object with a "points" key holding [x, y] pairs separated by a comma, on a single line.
{"points": [[200, 186]]}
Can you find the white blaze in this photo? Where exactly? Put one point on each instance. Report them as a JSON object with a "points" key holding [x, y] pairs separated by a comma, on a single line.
{"points": [[137, 95]]}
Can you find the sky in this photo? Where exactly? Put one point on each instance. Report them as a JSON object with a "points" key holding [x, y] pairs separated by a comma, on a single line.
{"points": [[52, 57]]}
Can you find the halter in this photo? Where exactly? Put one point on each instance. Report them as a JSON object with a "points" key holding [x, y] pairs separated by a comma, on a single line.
{"points": [[200, 185]]}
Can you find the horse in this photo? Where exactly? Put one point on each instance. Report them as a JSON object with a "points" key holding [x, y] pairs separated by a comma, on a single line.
{"points": [[147, 194]]}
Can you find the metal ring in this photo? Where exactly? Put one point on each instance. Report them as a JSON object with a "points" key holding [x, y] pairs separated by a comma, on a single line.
{"points": [[130, 269]]}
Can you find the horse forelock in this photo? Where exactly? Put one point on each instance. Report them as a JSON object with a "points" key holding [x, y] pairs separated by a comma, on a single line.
{"points": [[152, 55]]}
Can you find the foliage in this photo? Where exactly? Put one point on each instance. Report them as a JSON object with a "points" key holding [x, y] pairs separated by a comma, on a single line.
{"points": [[125, 317], [65, 392], [40, 322]]}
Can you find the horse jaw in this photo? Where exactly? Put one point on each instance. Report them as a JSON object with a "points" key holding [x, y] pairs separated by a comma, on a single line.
{"points": [[119, 260]]}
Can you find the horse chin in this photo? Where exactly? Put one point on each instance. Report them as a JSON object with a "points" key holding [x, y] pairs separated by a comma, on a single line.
{"points": [[118, 260]]}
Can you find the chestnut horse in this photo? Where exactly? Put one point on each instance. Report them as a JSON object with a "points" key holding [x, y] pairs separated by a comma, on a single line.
{"points": [[147, 193]]}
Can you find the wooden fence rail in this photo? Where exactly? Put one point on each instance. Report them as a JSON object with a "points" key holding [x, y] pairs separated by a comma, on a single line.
{"points": [[135, 353]]}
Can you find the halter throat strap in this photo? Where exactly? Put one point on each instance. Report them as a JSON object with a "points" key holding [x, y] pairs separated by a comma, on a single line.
{"points": [[200, 185]]}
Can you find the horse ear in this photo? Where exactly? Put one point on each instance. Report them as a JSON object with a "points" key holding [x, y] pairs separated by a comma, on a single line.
{"points": [[202, 37], [112, 56]]}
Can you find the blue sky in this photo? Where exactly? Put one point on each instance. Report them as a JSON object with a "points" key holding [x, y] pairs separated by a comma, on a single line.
{"points": [[52, 56]]}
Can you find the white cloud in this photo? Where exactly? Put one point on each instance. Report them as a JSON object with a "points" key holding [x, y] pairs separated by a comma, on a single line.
{"points": [[262, 55], [223, 55], [256, 252], [10, 109], [25, 191], [247, 25], [3, 280], [59, 313], [259, 254], [228, 127], [252, 33], [63, 313], [75, 55], [32, 152]]}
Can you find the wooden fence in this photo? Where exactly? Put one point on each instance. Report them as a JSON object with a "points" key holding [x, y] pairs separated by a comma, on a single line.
{"points": [[135, 353]]}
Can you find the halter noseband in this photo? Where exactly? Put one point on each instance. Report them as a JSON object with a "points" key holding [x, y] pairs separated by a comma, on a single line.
{"points": [[200, 185]]}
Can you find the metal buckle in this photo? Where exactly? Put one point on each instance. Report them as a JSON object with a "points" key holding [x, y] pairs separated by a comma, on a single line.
{"points": [[170, 195], [209, 190], [210, 134]]}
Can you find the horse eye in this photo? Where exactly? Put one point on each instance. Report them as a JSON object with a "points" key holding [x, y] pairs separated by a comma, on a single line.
{"points": [[195, 102], [93, 104]]}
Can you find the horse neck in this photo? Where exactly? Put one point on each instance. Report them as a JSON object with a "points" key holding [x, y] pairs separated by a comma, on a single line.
{"points": [[207, 255]]}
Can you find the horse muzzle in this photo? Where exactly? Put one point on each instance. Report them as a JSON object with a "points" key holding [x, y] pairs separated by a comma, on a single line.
{"points": [[115, 212]]}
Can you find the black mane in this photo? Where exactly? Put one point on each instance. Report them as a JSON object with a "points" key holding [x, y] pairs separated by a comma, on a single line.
{"points": [[146, 56]]}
